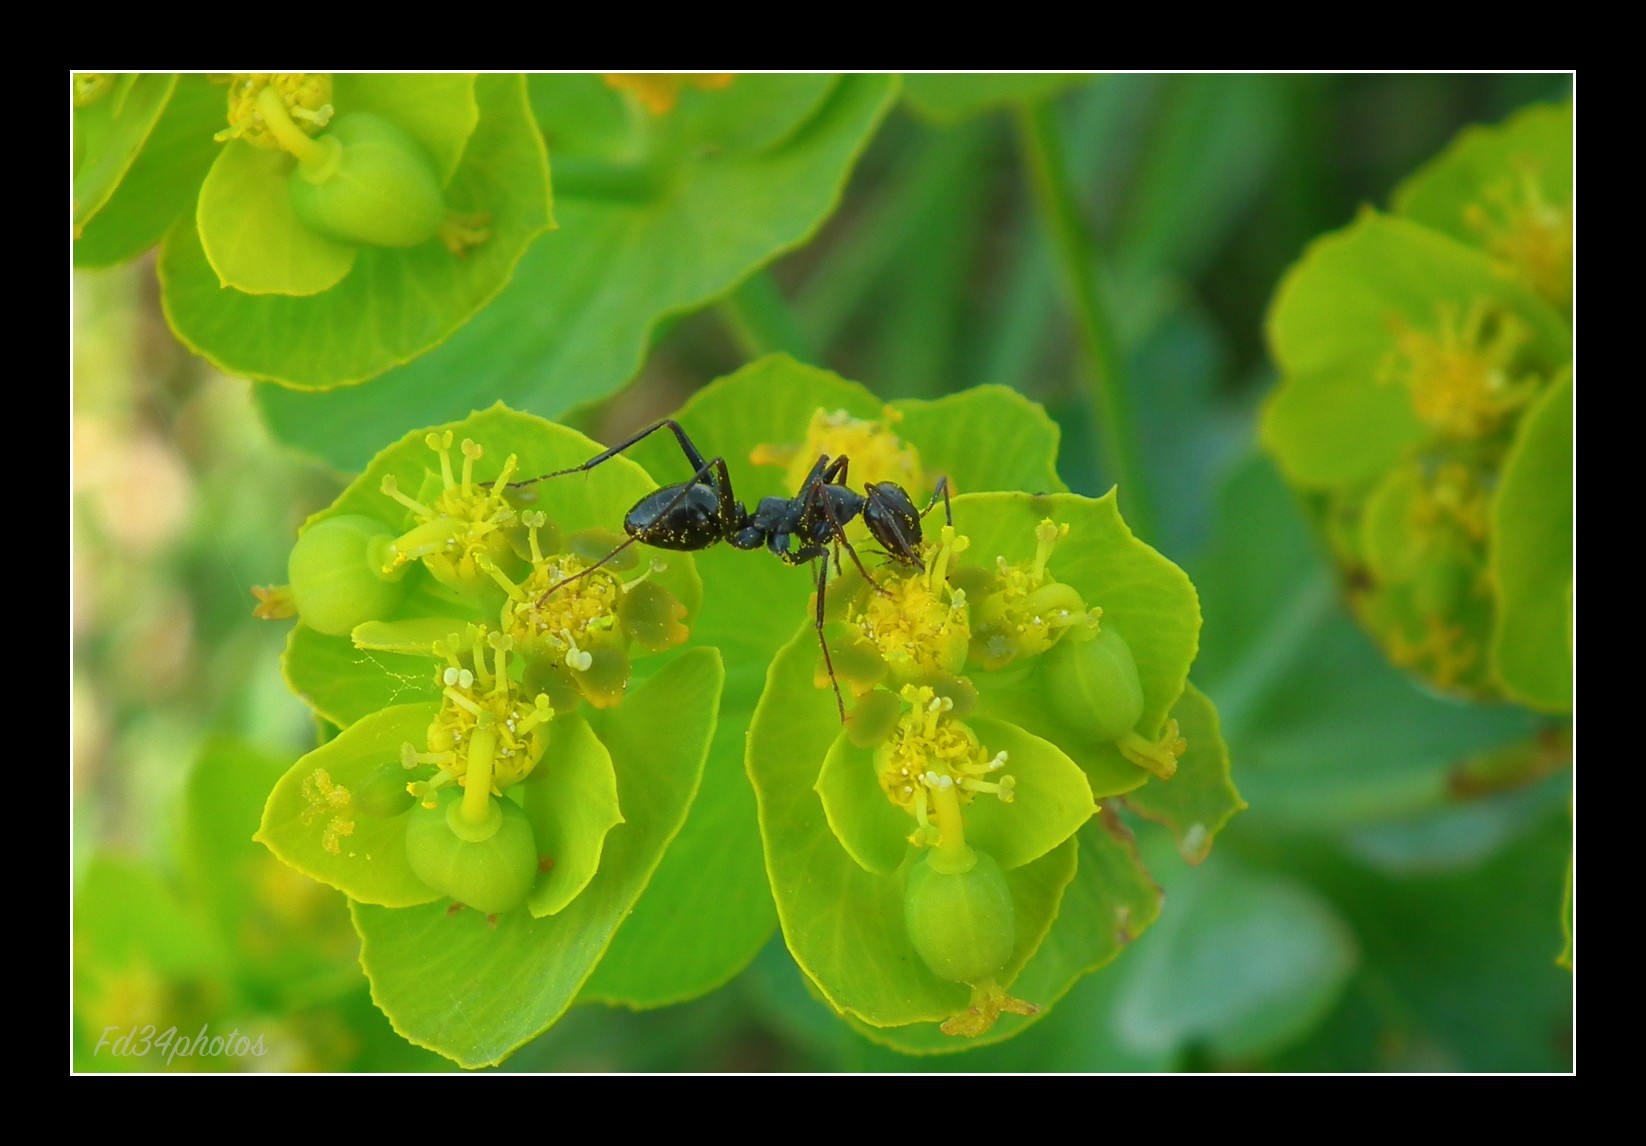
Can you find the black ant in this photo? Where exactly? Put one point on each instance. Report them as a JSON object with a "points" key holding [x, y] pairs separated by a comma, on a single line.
{"points": [[703, 511]]}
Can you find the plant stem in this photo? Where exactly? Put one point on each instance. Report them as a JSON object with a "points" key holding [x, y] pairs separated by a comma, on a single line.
{"points": [[761, 321], [1077, 259], [477, 782], [951, 854]]}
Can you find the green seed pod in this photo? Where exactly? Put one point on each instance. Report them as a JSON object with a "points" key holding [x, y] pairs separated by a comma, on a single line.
{"points": [[1093, 685], [963, 924], [336, 574], [374, 185], [490, 875]]}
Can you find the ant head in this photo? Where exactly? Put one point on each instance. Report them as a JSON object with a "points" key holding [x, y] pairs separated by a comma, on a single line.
{"points": [[893, 520]]}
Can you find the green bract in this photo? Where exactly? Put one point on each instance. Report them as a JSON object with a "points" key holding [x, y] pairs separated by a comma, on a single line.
{"points": [[279, 288], [951, 834], [495, 792], [1421, 354]]}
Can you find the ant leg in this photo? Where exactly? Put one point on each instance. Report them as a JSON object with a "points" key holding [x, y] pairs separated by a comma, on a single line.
{"points": [[582, 573], [942, 488], [828, 661], [837, 470], [686, 447]]}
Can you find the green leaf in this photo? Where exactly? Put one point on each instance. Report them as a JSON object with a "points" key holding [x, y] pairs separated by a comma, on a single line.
{"points": [[126, 915], [109, 133], [571, 800], [1531, 556], [873, 830], [581, 116], [708, 906], [415, 636], [578, 316], [1334, 421], [395, 304], [1200, 798], [948, 98], [709, 902], [283, 927], [1394, 551], [1211, 148], [844, 925], [312, 821], [756, 112], [440, 111], [1110, 902], [251, 236], [163, 181], [1244, 961], [475, 989], [1458, 975]]}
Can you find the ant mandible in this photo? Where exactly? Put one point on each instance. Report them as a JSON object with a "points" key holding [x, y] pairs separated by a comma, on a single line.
{"points": [[702, 511]]}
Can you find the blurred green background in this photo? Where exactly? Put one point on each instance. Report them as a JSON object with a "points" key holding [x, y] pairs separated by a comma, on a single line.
{"points": [[1389, 902]]}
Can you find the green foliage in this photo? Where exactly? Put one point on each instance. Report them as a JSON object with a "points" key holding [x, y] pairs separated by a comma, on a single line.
{"points": [[962, 800], [1420, 352], [586, 808], [475, 988], [113, 116], [1531, 557], [715, 875], [393, 304], [658, 214], [235, 944], [281, 289], [950, 97], [163, 181], [1251, 962], [841, 867]]}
